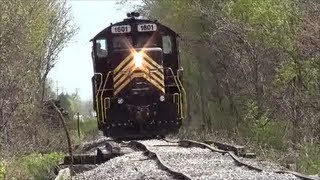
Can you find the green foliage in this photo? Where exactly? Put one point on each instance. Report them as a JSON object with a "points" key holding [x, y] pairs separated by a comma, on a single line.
{"points": [[264, 130], [270, 135], [2, 170], [311, 74], [286, 72], [309, 159], [249, 65], [65, 102], [40, 165], [71, 103], [88, 128], [273, 21], [32, 35]]}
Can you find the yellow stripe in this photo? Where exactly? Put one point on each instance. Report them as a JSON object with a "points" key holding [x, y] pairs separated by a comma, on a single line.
{"points": [[145, 70], [152, 61], [131, 65], [160, 81], [155, 77], [143, 75], [154, 70], [151, 64], [121, 87], [128, 58], [126, 68]]}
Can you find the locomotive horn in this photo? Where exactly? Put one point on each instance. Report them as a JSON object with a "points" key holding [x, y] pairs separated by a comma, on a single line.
{"points": [[133, 14]]}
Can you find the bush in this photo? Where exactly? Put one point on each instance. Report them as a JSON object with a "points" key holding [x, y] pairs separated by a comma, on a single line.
{"points": [[263, 129], [2, 170], [271, 135], [309, 159], [40, 165], [88, 128]]}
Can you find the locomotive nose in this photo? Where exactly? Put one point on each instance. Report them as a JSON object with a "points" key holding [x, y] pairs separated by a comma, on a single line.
{"points": [[142, 114]]}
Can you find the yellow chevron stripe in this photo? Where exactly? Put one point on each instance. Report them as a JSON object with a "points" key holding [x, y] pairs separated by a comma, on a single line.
{"points": [[145, 70], [154, 80], [125, 83], [143, 75], [149, 61], [120, 76], [160, 81], [128, 58], [155, 77], [152, 61], [131, 66], [124, 70], [154, 70], [124, 77]]}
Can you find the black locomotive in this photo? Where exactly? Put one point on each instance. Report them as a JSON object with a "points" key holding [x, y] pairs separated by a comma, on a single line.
{"points": [[137, 82]]}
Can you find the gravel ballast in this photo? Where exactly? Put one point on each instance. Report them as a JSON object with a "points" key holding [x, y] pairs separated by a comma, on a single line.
{"points": [[130, 166], [205, 164], [197, 163]]}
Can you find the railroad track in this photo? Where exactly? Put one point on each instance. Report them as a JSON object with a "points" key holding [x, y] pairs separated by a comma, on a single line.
{"points": [[193, 168], [183, 159]]}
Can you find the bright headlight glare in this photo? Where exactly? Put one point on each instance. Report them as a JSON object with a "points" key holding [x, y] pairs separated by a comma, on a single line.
{"points": [[120, 100], [137, 58], [162, 98]]}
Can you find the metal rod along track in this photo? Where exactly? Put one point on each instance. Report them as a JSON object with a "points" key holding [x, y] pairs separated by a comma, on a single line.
{"points": [[190, 143], [160, 162]]}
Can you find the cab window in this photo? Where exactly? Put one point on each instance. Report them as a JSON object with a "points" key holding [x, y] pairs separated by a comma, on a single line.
{"points": [[102, 48], [122, 42], [146, 41], [166, 44]]}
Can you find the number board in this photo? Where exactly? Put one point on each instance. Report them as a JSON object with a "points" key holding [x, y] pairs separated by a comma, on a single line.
{"points": [[121, 29], [147, 27]]}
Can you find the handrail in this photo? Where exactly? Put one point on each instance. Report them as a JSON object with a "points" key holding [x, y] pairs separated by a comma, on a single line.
{"points": [[109, 89], [175, 79], [97, 102], [184, 96], [101, 96]]}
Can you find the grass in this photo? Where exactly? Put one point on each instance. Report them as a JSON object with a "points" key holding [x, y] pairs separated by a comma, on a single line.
{"points": [[2, 169], [87, 128], [33, 166], [309, 159]]}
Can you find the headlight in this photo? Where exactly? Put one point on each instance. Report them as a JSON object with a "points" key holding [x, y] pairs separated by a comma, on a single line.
{"points": [[137, 58], [162, 98], [120, 100]]}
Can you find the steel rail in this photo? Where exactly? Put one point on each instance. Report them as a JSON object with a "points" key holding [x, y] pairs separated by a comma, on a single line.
{"points": [[190, 143], [114, 150], [140, 146]]}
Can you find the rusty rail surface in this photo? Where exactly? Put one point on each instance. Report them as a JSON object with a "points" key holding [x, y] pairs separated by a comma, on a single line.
{"points": [[161, 164], [190, 143]]}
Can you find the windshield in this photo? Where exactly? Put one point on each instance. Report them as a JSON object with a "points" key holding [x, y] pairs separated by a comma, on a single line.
{"points": [[122, 42], [146, 41], [125, 42]]}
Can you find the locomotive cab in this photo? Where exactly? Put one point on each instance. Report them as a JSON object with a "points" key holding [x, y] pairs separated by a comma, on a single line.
{"points": [[137, 89]]}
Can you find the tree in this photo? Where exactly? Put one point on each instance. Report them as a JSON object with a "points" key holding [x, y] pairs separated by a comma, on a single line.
{"points": [[259, 67], [31, 35]]}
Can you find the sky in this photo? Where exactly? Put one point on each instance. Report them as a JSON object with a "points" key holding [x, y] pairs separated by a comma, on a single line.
{"points": [[74, 69]]}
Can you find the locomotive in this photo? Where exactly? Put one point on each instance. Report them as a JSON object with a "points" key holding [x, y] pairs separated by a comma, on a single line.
{"points": [[137, 82]]}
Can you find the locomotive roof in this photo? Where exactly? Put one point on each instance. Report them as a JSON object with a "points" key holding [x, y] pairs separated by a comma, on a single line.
{"points": [[132, 21]]}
